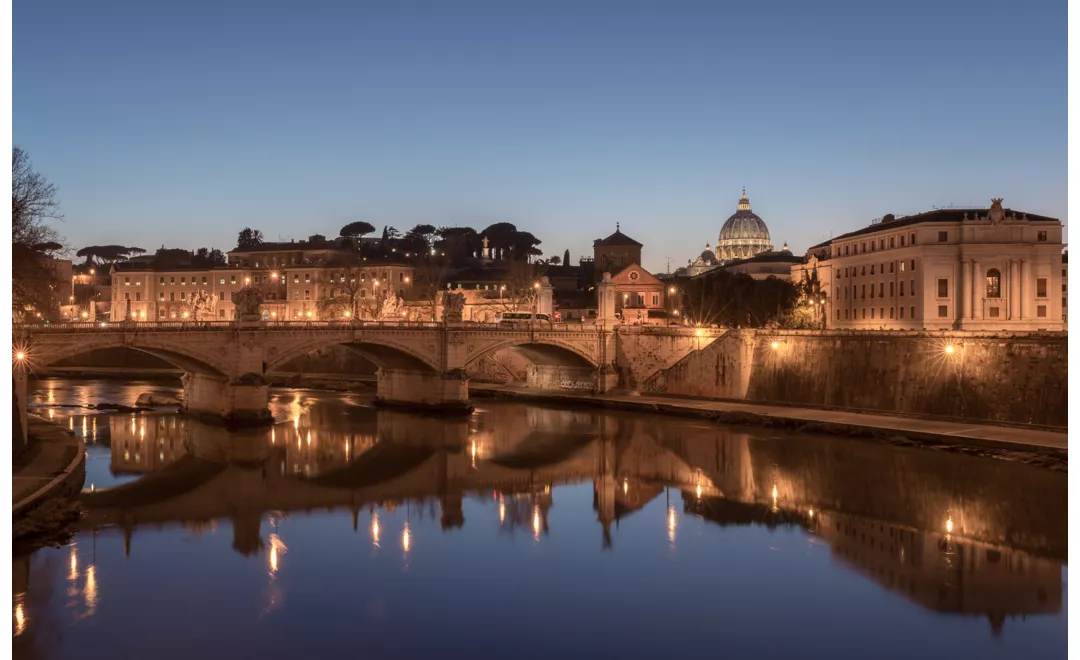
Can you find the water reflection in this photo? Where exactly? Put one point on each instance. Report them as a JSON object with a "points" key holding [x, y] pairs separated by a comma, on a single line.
{"points": [[935, 529]]}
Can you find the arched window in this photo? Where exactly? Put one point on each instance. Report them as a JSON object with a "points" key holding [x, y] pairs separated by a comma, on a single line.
{"points": [[993, 283]]}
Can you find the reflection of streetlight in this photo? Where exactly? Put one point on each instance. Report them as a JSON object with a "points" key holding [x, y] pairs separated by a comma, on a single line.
{"points": [[949, 526]]}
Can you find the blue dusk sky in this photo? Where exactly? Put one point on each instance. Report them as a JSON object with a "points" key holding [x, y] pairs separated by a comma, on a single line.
{"points": [[179, 123]]}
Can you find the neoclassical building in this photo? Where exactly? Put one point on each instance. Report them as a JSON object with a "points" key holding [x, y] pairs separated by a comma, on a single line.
{"points": [[947, 269], [743, 235]]}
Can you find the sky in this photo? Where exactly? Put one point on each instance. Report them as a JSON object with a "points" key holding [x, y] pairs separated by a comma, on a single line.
{"points": [[181, 123]]}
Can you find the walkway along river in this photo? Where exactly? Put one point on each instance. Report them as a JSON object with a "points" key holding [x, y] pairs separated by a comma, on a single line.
{"points": [[528, 531]]}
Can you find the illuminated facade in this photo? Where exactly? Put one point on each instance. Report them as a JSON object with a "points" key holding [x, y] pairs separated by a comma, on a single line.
{"points": [[960, 269], [743, 235]]}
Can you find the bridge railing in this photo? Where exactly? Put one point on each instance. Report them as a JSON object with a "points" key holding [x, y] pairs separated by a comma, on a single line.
{"points": [[174, 326]]}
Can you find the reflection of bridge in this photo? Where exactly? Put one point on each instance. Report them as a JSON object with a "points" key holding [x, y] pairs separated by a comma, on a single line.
{"points": [[934, 528], [226, 366]]}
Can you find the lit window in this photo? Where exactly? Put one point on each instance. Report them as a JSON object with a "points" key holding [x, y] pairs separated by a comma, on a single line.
{"points": [[127, 281], [902, 266], [232, 279], [993, 283]]}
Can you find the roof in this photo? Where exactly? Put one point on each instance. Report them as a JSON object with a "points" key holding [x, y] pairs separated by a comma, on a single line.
{"points": [[125, 267], [288, 246], [783, 256], [618, 238], [937, 215]]}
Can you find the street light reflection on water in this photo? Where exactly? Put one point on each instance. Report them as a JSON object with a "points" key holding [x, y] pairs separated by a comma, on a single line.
{"points": [[726, 482]]}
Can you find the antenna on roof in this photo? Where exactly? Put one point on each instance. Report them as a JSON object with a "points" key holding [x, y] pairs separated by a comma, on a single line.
{"points": [[668, 265]]}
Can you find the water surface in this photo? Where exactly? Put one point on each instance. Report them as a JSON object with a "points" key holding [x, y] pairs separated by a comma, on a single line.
{"points": [[531, 532]]}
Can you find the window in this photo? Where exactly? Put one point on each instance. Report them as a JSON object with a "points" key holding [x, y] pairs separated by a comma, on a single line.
{"points": [[901, 289], [892, 265], [221, 295], [882, 244], [873, 248], [901, 309], [911, 289], [864, 313], [943, 311], [871, 269], [307, 277], [837, 315], [232, 279], [641, 300], [161, 296], [204, 279], [1040, 311], [172, 280], [864, 270], [891, 309], [255, 279], [162, 282], [942, 288], [913, 311], [864, 246], [401, 278], [892, 289], [172, 295], [892, 244], [993, 283], [221, 313], [994, 312], [161, 312], [1040, 287], [222, 280], [296, 278], [127, 281], [1042, 237], [655, 300], [183, 281], [307, 294], [864, 291], [872, 310], [181, 295], [902, 264], [913, 238], [296, 294], [913, 265], [138, 296], [881, 289], [901, 245], [1063, 285], [943, 237], [846, 250], [846, 315]]}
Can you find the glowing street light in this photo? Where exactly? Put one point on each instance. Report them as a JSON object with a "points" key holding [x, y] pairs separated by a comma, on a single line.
{"points": [[699, 332], [185, 315], [949, 349], [775, 345], [273, 275], [247, 280]]}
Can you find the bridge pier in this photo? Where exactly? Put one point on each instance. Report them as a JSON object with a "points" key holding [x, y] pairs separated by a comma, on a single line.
{"points": [[235, 401], [445, 393]]}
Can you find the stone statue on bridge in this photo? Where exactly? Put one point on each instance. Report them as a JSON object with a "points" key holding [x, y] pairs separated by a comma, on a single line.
{"points": [[248, 303], [390, 308], [453, 307]]}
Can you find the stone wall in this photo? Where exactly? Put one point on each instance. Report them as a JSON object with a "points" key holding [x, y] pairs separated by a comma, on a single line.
{"points": [[998, 377]]}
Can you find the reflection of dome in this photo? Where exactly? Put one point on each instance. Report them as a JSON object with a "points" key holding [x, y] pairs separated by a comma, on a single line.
{"points": [[743, 235]]}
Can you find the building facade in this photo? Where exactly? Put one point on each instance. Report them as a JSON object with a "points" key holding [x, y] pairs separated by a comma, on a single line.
{"points": [[743, 235], [950, 269], [614, 253]]}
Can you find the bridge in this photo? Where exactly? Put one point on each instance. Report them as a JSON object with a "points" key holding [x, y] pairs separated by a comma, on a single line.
{"points": [[420, 365]]}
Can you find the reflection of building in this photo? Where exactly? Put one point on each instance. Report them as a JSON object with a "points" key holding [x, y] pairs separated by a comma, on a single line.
{"points": [[964, 269], [145, 443], [944, 573]]}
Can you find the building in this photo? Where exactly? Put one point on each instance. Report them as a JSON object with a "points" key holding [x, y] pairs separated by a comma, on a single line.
{"points": [[614, 253], [764, 265], [91, 294], [174, 293], [743, 235], [705, 262], [948, 269], [276, 255]]}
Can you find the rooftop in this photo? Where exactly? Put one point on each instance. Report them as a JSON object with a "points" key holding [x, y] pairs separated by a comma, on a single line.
{"points": [[618, 238]]}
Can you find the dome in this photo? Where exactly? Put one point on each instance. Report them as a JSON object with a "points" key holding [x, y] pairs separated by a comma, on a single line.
{"points": [[707, 257], [743, 235]]}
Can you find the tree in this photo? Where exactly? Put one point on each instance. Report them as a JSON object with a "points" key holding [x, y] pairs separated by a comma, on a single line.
{"points": [[340, 290], [429, 283], [357, 230], [808, 312], [458, 244], [107, 254], [248, 238], [554, 261], [566, 257], [33, 241], [736, 299], [208, 258]]}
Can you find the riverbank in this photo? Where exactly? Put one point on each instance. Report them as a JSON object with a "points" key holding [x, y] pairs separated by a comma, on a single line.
{"points": [[45, 477], [1037, 447]]}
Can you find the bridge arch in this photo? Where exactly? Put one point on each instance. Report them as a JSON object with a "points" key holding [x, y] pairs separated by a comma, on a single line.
{"points": [[45, 350], [383, 353], [546, 351]]}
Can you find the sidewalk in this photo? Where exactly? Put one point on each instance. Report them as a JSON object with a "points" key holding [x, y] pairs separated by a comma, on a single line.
{"points": [[54, 466], [983, 435]]}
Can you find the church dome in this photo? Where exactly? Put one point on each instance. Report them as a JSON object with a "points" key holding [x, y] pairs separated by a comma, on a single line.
{"points": [[743, 235]]}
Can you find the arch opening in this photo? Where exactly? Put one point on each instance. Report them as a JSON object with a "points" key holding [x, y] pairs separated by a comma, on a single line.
{"points": [[378, 354], [130, 357]]}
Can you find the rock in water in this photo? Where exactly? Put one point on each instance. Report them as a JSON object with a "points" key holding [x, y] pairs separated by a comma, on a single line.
{"points": [[152, 399]]}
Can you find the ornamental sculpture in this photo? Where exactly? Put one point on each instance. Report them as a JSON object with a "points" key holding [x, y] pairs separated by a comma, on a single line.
{"points": [[453, 305]]}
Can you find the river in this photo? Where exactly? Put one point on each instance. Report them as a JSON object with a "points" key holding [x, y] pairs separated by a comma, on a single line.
{"points": [[531, 532]]}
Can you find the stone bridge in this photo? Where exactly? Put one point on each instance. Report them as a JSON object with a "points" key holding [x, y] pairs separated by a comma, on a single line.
{"points": [[419, 364]]}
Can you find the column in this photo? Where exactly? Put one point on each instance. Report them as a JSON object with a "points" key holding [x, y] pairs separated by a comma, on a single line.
{"points": [[976, 299], [1020, 289], [1012, 289], [963, 291]]}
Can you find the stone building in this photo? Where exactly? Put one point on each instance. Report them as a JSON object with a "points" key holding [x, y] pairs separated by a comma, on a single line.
{"points": [[614, 253], [743, 235], [964, 269], [764, 265]]}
